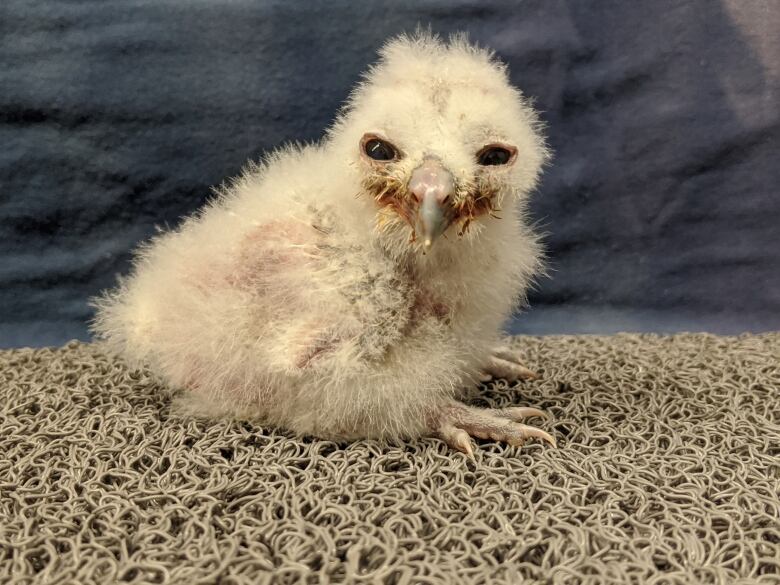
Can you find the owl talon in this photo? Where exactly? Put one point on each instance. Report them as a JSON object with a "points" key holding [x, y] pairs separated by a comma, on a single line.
{"points": [[457, 421], [456, 438], [517, 413], [506, 364]]}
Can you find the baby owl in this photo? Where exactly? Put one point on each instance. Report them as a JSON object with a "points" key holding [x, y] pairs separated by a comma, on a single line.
{"points": [[356, 287]]}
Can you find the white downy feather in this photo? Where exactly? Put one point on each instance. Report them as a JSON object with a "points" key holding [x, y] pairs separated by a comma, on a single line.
{"points": [[295, 299]]}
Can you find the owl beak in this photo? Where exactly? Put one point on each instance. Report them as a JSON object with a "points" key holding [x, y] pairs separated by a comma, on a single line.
{"points": [[433, 187]]}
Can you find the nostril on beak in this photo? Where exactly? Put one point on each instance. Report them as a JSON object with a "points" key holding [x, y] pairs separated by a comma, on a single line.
{"points": [[430, 179], [440, 193]]}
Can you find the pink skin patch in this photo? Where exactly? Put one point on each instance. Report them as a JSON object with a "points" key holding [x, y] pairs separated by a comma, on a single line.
{"points": [[428, 305], [267, 256], [317, 345], [269, 250]]}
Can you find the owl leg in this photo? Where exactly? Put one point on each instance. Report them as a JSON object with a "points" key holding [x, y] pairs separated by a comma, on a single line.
{"points": [[456, 423], [505, 363]]}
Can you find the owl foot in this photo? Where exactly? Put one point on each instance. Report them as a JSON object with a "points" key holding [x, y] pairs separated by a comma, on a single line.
{"points": [[505, 363], [457, 422]]}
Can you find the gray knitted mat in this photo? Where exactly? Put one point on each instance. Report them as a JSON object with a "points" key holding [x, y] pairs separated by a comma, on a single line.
{"points": [[667, 471]]}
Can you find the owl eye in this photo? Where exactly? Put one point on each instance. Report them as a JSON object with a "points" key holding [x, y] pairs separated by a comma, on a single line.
{"points": [[495, 155], [379, 150]]}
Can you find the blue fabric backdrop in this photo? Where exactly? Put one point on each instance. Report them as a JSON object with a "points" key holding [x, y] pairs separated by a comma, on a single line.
{"points": [[662, 210]]}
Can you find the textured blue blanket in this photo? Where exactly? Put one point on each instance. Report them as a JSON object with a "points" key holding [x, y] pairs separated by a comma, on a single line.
{"points": [[661, 207]]}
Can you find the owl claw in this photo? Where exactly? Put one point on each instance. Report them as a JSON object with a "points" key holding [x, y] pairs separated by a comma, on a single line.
{"points": [[456, 422], [506, 364], [517, 413], [456, 438]]}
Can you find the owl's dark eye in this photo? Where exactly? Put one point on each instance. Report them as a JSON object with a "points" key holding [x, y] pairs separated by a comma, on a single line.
{"points": [[494, 155], [379, 150]]}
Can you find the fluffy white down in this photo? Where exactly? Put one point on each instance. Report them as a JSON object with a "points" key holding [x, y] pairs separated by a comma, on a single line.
{"points": [[284, 300]]}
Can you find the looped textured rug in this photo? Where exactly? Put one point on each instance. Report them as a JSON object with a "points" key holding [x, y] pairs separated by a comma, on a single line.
{"points": [[667, 471]]}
